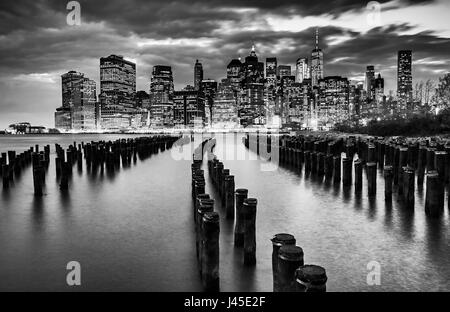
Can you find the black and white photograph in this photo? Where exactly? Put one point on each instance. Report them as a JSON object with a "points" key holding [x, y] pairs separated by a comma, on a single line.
{"points": [[241, 147]]}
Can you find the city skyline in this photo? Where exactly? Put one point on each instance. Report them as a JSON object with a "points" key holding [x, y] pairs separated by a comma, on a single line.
{"points": [[30, 83]]}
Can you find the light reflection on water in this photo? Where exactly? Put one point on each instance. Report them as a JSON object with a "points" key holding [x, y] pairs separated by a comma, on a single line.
{"points": [[134, 231]]}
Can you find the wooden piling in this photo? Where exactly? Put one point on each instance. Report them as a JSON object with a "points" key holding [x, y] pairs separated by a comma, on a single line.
{"points": [[434, 198], [210, 252], [250, 231], [311, 278], [229, 196], [358, 176], [239, 229], [372, 179], [278, 241], [388, 179], [290, 258]]}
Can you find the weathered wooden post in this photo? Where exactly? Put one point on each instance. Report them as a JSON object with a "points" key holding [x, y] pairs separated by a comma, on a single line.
{"points": [[408, 187], [440, 159], [239, 229], [320, 164], [347, 172], [205, 205], [388, 179], [37, 180], [403, 161], [290, 258], [372, 179], [337, 169], [358, 176], [210, 252], [329, 166], [278, 241], [229, 196], [421, 164], [250, 231], [64, 183], [311, 278], [434, 197], [5, 176]]}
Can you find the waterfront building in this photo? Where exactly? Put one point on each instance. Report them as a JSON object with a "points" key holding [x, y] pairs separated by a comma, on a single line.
{"points": [[79, 97], [224, 109], [161, 96], [189, 108], [332, 104], [117, 83]]}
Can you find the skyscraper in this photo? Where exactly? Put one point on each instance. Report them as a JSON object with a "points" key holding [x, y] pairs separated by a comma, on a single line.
{"points": [[302, 70], [79, 97], [161, 96], [235, 73], [316, 63], [369, 82], [404, 76], [271, 71], [379, 89], [117, 83], [198, 75], [284, 70]]}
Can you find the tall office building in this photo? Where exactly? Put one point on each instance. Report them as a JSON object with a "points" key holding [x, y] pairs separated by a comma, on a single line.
{"points": [[253, 69], [284, 70], [271, 71], [379, 89], [198, 75], [301, 69], [161, 96], [333, 101], [117, 83], [235, 73], [369, 82], [79, 98], [404, 76], [316, 63], [189, 108]]}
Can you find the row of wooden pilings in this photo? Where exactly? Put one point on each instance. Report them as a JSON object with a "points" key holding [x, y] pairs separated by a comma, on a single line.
{"points": [[109, 155], [401, 159], [289, 272], [12, 164]]}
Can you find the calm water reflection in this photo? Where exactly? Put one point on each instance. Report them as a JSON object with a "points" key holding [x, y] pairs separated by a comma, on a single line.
{"points": [[133, 230]]}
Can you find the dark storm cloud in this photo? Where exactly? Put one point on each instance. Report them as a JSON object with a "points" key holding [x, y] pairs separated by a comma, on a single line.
{"points": [[161, 18]]}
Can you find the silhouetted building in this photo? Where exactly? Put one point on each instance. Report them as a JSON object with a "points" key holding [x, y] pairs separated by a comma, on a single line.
{"points": [[198, 75]]}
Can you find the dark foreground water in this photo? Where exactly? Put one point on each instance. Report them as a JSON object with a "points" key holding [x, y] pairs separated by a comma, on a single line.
{"points": [[134, 231]]}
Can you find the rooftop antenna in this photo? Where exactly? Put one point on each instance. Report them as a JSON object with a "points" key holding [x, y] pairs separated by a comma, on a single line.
{"points": [[317, 38]]}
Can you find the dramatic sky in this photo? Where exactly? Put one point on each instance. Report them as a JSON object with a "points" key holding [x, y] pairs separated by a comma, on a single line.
{"points": [[37, 45]]}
